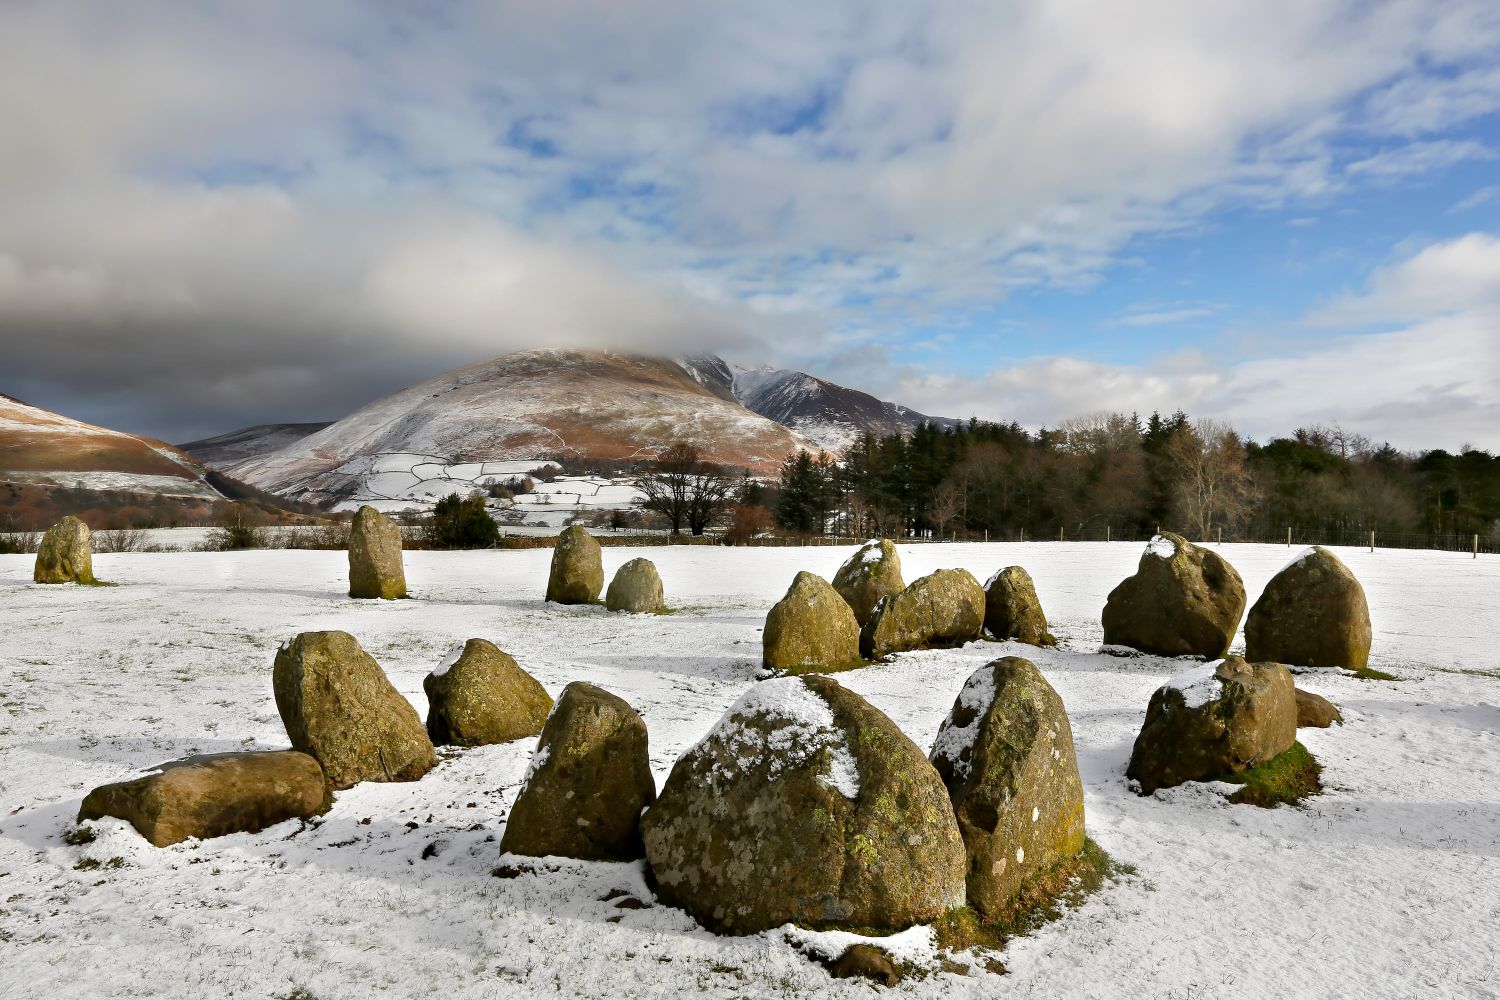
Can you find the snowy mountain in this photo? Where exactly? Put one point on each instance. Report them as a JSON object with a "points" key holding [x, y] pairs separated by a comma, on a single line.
{"points": [[832, 416], [39, 448], [524, 407], [236, 446]]}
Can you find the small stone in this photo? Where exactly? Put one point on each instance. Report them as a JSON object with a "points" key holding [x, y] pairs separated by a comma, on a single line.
{"points": [[1316, 712], [636, 587], [865, 961]]}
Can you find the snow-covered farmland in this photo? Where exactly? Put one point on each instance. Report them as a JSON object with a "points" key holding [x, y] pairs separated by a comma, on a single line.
{"points": [[1388, 885]]}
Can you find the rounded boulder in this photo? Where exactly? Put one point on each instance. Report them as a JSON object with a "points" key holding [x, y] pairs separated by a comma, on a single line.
{"points": [[811, 628], [375, 567], [1012, 610], [479, 695], [65, 554], [1311, 614], [941, 609], [577, 574], [1182, 601], [805, 804], [636, 587], [873, 572]]}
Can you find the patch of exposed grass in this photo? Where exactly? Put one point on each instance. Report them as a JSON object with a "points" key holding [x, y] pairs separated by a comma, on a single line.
{"points": [[1043, 898], [1371, 674], [80, 835], [1286, 779]]}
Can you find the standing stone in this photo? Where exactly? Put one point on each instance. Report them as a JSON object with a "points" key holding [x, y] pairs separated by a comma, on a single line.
{"points": [[636, 587], [811, 628], [1216, 719], [479, 695], [945, 608], [65, 555], [873, 572], [338, 706], [1312, 614], [1182, 601], [213, 796], [805, 804], [577, 568], [375, 569], [589, 779], [1006, 755], [1012, 610]]}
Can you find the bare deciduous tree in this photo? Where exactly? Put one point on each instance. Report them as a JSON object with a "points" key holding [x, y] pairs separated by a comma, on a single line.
{"points": [[685, 490], [1213, 485]]}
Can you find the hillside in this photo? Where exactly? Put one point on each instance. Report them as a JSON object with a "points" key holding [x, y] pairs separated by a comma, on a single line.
{"points": [[236, 446], [831, 416], [573, 406]]}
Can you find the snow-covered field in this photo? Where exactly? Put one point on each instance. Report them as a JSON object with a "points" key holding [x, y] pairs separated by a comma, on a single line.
{"points": [[1388, 885]]}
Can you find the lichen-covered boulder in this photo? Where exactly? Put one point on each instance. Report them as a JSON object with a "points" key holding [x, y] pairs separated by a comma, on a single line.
{"points": [[65, 555], [1182, 601], [1212, 720], [873, 572], [375, 568], [589, 779], [1012, 610], [213, 796], [1005, 752], [945, 608], [479, 695], [338, 706], [577, 568], [636, 587], [805, 804], [1316, 712], [812, 628], [1312, 614]]}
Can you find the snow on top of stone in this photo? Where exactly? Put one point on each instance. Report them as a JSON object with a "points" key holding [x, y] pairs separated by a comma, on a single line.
{"points": [[1311, 550], [993, 577], [978, 695], [806, 728], [453, 657], [871, 552], [1162, 548], [1198, 684]]}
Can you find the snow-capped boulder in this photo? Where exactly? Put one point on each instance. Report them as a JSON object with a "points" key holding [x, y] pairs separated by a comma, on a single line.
{"points": [[1214, 719], [213, 796], [1311, 614], [1005, 752], [805, 804], [65, 555], [375, 568], [1012, 610], [1316, 712], [812, 628], [589, 779], [577, 568], [1182, 601], [479, 695], [338, 706], [636, 587], [945, 608], [873, 572]]}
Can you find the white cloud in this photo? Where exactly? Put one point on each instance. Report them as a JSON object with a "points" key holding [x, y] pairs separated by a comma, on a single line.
{"points": [[1459, 276], [1419, 158]]}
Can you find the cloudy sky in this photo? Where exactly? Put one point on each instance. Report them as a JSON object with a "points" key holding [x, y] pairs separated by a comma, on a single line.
{"points": [[1279, 212]]}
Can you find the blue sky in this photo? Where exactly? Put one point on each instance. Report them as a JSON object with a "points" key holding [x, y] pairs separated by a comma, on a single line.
{"points": [[1275, 213]]}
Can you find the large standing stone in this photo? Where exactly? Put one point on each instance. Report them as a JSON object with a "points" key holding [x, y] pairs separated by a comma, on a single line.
{"points": [[636, 587], [375, 569], [873, 572], [1312, 614], [807, 805], [1012, 610], [480, 695], [577, 568], [1182, 601], [338, 706], [1215, 719], [213, 796], [1006, 754], [590, 777], [65, 555], [945, 608], [811, 628]]}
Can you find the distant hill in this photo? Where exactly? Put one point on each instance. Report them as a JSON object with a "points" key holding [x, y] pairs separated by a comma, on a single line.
{"points": [[236, 446], [830, 415]]}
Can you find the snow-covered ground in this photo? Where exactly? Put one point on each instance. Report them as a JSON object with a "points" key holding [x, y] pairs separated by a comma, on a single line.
{"points": [[1388, 885]]}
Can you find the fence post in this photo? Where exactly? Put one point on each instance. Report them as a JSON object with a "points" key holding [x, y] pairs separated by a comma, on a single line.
{"points": [[1106, 532], [1023, 534], [987, 536], [1476, 545], [1289, 536], [1221, 536], [1372, 541], [1059, 533]]}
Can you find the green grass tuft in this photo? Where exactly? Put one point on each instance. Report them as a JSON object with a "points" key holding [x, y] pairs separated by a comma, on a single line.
{"points": [[1286, 779], [1371, 674]]}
